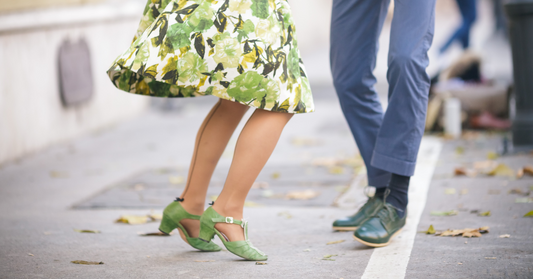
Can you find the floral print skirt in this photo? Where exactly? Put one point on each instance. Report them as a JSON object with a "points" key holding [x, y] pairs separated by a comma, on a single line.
{"points": [[239, 50]]}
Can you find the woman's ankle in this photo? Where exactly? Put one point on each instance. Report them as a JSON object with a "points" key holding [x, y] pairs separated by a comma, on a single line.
{"points": [[195, 208], [229, 210]]}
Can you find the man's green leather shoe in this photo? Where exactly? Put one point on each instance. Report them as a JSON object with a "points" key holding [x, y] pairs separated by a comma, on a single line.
{"points": [[379, 229], [351, 223]]}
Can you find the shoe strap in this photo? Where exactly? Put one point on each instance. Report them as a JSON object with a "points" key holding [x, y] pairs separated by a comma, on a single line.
{"points": [[228, 220]]}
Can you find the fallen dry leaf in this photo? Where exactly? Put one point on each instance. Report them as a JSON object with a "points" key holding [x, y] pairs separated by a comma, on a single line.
{"points": [[464, 232], [523, 200], [86, 262], [335, 242], [459, 150], [490, 258], [492, 155], [502, 170], [30, 254], [336, 170], [155, 234], [449, 191], [261, 263], [307, 250], [302, 195], [505, 236], [86, 231], [285, 214], [528, 170], [444, 213], [328, 257], [431, 230], [464, 171], [529, 214], [155, 216], [176, 179], [485, 214], [58, 174], [133, 219], [518, 191], [275, 175], [485, 165]]}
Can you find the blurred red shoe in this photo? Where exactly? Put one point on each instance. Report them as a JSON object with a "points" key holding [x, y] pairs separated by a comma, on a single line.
{"points": [[488, 121]]}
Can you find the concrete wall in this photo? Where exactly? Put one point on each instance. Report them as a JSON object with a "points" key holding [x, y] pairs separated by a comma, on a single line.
{"points": [[31, 112]]}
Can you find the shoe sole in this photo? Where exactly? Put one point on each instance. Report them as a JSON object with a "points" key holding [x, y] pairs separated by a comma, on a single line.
{"points": [[378, 245], [345, 229]]}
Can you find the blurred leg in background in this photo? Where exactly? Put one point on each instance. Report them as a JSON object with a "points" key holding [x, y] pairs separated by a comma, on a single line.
{"points": [[468, 9]]}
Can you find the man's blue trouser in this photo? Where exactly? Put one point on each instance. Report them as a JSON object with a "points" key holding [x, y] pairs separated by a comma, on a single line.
{"points": [[389, 141]]}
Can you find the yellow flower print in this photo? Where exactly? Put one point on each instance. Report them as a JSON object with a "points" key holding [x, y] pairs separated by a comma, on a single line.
{"points": [[228, 52], [269, 30], [240, 6]]}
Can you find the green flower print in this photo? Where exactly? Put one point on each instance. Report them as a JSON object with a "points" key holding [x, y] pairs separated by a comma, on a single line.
{"points": [[202, 18], [293, 63], [244, 88], [190, 67], [179, 35], [228, 52], [260, 8]]}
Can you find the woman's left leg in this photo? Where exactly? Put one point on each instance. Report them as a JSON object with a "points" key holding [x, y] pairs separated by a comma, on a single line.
{"points": [[254, 146]]}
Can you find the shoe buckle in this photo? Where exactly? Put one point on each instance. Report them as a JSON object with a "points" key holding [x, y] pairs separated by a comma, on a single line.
{"points": [[229, 220]]}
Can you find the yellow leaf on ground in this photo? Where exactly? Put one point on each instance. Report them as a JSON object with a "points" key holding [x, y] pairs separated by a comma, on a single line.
{"points": [[86, 262], [335, 242], [275, 175], [431, 230], [176, 179], [328, 257], [492, 155], [490, 258], [86, 231], [133, 219], [502, 170], [30, 254], [261, 263], [486, 213], [449, 191], [302, 195], [505, 236], [285, 214], [459, 150], [336, 170], [444, 213], [529, 214]]}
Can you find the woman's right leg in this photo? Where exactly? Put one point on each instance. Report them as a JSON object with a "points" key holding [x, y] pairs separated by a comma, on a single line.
{"points": [[211, 140]]}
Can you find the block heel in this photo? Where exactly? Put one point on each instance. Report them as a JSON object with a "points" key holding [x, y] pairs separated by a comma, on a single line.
{"points": [[207, 232], [167, 225]]}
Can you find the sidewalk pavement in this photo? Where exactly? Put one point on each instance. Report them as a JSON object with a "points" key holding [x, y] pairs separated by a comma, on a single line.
{"points": [[140, 165]]}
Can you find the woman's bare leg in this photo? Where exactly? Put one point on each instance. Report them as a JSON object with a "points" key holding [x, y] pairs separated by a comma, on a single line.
{"points": [[211, 140], [254, 146]]}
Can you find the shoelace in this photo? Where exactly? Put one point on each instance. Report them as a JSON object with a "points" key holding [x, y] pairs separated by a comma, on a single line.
{"points": [[387, 211]]}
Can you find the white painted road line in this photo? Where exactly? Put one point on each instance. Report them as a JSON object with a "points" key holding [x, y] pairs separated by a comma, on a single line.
{"points": [[391, 261]]}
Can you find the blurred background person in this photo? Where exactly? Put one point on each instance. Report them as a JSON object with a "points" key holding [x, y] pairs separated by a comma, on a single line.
{"points": [[468, 10]]}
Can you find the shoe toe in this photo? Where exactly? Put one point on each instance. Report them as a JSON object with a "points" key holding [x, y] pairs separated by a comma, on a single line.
{"points": [[204, 246], [372, 231]]}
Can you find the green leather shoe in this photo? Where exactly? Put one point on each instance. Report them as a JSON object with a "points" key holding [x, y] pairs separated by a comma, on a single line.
{"points": [[172, 215], [351, 223], [379, 229], [243, 249]]}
